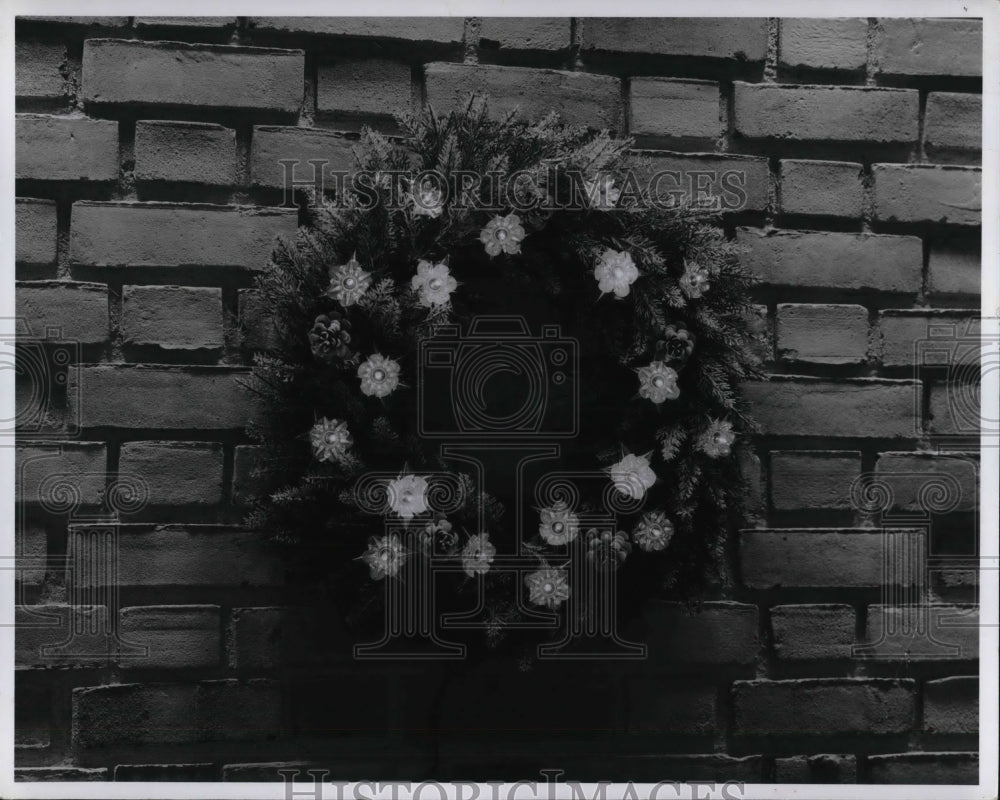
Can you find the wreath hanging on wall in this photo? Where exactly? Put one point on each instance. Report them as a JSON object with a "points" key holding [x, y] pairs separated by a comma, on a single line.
{"points": [[625, 326]]}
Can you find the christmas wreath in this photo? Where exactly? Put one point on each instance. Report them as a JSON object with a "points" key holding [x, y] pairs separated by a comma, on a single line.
{"points": [[498, 284]]}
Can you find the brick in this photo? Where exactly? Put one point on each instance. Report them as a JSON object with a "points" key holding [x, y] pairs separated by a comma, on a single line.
{"points": [[185, 22], [62, 636], [743, 39], [918, 193], [930, 47], [824, 43], [816, 769], [703, 767], [924, 768], [102, 22], [580, 98], [674, 108], [33, 774], [540, 34], [717, 633], [821, 188], [166, 772], [953, 121], [803, 480], [825, 113], [186, 76], [201, 555], [834, 260], [191, 398], [822, 334], [210, 711], [175, 636], [267, 638], [247, 484], [717, 182], [31, 550], [951, 705], [32, 709], [954, 408], [922, 633], [176, 473], [824, 707], [52, 474], [34, 231], [912, 336], [657, 710], [860, 407], [172, 234], [820, 557], [811, 632], [274, 144], [257, 327], [953, 272], [752, 474], [65, 311], [66, 148], [375, 86], [37, 71], [173, 317], [185, 152], [435, 30]]}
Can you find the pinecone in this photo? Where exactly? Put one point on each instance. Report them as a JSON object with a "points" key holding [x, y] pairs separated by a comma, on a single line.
{"points": [[330, 336]]}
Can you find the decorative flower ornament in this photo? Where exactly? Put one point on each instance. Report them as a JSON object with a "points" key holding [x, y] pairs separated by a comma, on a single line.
{"points": [[653, 532], [717, 440], [503, 234], [477, 555], [632, 476], [379, 376], [427, 199], [547, 587], [559, 524], [658, 382], [433, 283], [607, 549], [438, 536], [385, 556], [678, 342], [407, 496], [615, 272], [329, 337], [694, 281], [330, 440], [602, 193], [348, 283]]}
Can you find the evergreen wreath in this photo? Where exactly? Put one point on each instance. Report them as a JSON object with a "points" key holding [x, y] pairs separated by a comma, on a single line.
{"points": [[653, 295]]}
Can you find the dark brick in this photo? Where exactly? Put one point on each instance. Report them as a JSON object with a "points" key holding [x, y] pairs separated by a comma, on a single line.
{"points": [[65, 148], [200, 555], [34, 231], [374, 86], [33, 774], [172, 234], [954, 409], [810, 632], [274, 144], [37, 71], [175, 636], [924, 768], [953, 272], [247, 484], [540, 34], [951, 47], [813, 479], [257, 327], [951, 705], [656, 710], [716, 181], [173, 317], [31, 550], [717, 633], [822, 558], [62, 636], [823, 707], [210, 711], [436, 30], [273, 637], [834, 260], [65, 311], [683, 109], [822, 334], [859, 407], [824, 43], [185, 76], [194, 398], [185, 152], [185, 22], [821, 188], [953, 121], [921, 193], [743, 39], [581, 98], [101, 22], [922, 633], [915, 336], [825, 113], [816, 769], [50, 473], [950, 481], [32, 714], [702, 767], [176, 773], [176, 473]]}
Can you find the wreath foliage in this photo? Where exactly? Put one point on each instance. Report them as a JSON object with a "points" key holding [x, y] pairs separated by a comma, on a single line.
{"points": [[653, 295]]}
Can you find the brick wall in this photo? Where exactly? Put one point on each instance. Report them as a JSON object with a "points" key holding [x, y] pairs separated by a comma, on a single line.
{"points": [[148, 191]]}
